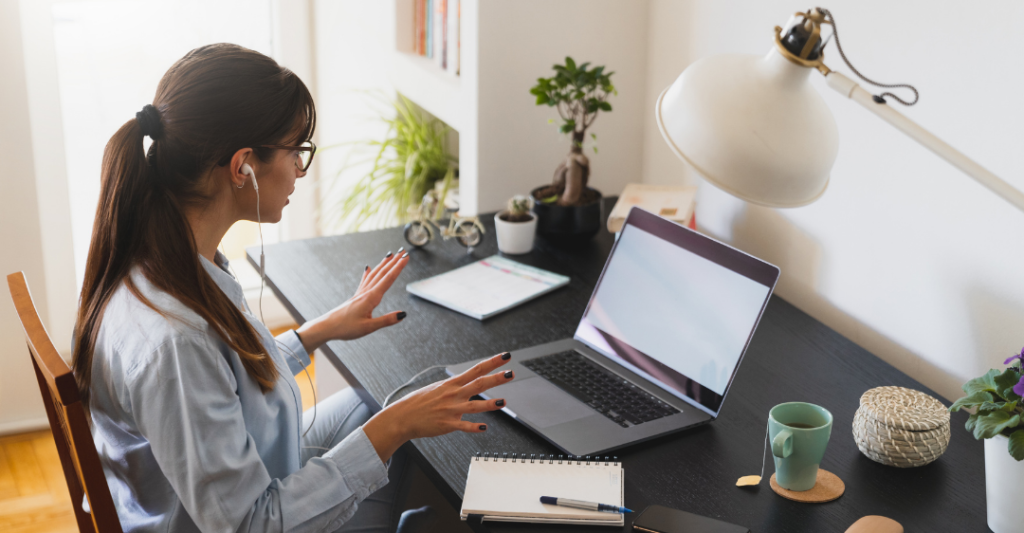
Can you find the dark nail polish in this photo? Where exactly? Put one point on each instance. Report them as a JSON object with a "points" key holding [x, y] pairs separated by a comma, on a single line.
{"points": [[508, 374], [483, 427], [402, 314], [389, 255], [367, 268], [506, 356], [500, 403], [406, 254], [400, 250]]}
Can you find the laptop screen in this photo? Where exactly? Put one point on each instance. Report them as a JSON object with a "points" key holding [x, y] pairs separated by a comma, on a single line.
{"points": [[677, 307]]}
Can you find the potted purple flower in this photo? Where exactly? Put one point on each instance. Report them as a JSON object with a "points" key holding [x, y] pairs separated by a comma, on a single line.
{"points": [[998, 400]]}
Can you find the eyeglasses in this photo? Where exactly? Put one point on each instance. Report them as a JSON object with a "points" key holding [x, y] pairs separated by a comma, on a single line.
{"points": [[305, 156]]}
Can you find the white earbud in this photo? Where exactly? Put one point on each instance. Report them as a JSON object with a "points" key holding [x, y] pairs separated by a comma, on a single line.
{"points": [[246, 169]]}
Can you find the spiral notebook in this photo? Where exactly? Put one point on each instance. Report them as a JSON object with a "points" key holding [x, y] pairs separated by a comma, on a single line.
{"points": [[507, 488]]}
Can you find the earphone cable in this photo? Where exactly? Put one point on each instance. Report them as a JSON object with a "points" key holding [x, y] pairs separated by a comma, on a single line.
{"points": [[387, 399]]}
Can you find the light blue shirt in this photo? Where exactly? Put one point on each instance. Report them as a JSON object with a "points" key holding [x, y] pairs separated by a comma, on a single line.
{"points": [[189, 442]]}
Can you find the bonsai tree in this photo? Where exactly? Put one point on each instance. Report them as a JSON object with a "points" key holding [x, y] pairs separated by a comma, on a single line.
{"points": [[997, 398], [579, 94]]}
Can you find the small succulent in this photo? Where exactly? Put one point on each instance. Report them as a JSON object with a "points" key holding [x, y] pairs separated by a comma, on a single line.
{"points": [[518, 209], [519, 205], [998, 399]]}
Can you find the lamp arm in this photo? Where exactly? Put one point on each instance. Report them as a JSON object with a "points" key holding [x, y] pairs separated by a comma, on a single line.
{"points": [[855, 92]]}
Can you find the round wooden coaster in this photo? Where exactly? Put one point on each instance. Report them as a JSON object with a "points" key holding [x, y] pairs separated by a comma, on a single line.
{"points": [[826, 488]]}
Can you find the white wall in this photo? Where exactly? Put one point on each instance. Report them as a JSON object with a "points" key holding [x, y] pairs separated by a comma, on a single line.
{"points": [[903, 254], [21, 407]]}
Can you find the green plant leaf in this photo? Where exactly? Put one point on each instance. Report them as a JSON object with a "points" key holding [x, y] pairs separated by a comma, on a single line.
{"points": [[407, 163], [605, 106], [1005, 381], [570, 64], [1009, 407], [983, 383], [550, 199], [972, 400], [1016, 445], [971, 422], [991, 423]]}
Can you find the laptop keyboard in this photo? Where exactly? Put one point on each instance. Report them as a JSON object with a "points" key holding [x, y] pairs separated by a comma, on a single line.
{"points": [[621, 401]]}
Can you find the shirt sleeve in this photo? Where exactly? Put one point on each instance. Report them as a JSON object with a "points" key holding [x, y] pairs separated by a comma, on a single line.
{"points": [[184, 403], [290, 345]]}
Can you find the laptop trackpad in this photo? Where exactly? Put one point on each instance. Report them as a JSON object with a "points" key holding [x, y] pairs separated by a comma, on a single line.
{"points": [[541, 403]]}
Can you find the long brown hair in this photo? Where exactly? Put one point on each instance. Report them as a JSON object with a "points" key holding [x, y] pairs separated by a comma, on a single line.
{"points": [[216, 100]]}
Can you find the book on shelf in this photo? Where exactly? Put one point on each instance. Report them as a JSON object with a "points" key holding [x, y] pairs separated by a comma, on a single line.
{"points": [[457, 31], [430, 28], [419, 27], [674, 202], [439, 33], [436, 32]]}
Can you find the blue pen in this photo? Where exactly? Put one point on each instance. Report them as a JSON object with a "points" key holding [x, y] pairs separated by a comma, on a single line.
{"points": [[590, 506]]}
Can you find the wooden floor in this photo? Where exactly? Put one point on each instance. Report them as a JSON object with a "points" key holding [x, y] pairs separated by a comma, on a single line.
{"points": [[33, 493]]}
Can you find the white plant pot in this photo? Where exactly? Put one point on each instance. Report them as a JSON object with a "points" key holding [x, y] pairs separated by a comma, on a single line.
{"points": [[515, 237], [1004, 479]]}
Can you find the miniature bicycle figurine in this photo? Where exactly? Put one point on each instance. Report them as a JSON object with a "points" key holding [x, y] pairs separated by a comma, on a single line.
{"points": [[467, 231]]}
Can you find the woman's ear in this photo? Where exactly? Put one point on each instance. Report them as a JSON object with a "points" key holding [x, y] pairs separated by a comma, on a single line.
{"points": [[241, 157]]}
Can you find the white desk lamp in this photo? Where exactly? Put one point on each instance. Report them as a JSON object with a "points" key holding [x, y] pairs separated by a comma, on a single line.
{"points": [[754, 127]]}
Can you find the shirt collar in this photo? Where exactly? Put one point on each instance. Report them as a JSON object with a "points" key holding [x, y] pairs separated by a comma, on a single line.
{"points": [[223, 277]]}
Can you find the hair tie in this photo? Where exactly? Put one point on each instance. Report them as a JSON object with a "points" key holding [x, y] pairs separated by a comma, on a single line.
{"points": [[149, 122]]}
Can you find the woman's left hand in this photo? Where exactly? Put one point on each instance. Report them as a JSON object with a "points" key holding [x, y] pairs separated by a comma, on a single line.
{"points": [[354, 318]]}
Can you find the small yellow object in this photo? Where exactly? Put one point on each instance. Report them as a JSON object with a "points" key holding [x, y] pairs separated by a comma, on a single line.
{"points": [[748, 481]]}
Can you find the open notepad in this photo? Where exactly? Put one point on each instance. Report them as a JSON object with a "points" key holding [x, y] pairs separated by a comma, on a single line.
{"points": [[487, 287], [508, 489]]}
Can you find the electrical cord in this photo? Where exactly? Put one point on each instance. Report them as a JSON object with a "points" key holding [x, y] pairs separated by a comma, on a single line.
{"points": [[282, 345], [878, 98], [387, 399]]}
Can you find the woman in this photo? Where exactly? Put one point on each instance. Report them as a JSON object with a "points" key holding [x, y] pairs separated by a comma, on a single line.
{"points": [[196, 414]]}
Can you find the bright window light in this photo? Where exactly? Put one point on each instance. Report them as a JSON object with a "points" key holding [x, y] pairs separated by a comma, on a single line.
{"points": [[111, 55]]}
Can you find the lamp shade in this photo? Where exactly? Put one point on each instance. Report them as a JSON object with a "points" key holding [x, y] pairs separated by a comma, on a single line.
{"points": [[752, 126]]}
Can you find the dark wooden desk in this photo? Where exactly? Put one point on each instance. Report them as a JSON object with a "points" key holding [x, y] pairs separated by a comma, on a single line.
{"points": [[792, 357]]}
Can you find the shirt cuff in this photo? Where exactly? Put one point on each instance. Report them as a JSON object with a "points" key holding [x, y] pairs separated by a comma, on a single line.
{"points": [[359, 463], [291, 347]]}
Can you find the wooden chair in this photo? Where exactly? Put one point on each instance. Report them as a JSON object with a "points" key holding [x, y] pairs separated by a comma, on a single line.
{"points": [[82, 468]]}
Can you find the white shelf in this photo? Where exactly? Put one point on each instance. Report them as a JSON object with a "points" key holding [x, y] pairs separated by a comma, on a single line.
{"points": [[506, 144], [439, 92]]}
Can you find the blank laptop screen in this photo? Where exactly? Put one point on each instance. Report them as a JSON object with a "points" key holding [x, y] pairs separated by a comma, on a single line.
{"points": [[677, 307]]}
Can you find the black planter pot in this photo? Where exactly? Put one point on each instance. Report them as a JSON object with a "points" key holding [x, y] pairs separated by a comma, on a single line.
{"points": [[568, 225]]}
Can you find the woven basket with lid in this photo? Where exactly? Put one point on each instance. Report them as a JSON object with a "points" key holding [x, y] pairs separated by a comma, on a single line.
{"points": [[901, 427]]}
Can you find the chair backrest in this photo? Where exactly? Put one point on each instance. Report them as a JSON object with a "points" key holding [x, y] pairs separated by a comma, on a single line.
{"points": [[82, 468]]}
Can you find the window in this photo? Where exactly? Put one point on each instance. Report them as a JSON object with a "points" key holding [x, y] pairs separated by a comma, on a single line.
{"points": [[110, 57]]}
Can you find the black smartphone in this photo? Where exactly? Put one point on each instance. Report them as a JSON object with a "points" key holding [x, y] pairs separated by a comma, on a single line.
{"points": [[659, 519]]}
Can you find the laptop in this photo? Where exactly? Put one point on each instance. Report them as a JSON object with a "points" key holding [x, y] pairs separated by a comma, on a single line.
{"points": [[656, 350]]}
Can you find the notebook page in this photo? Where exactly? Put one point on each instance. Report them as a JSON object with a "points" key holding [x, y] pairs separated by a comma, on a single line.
{"points": [[487, 286], [514, 489]]}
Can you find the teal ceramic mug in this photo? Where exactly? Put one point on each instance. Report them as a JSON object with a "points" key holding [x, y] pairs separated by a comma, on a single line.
{"points": [[798, 433]]}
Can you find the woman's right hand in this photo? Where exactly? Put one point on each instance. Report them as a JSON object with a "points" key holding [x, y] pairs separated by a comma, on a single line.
{"points": [[437, 409]]}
